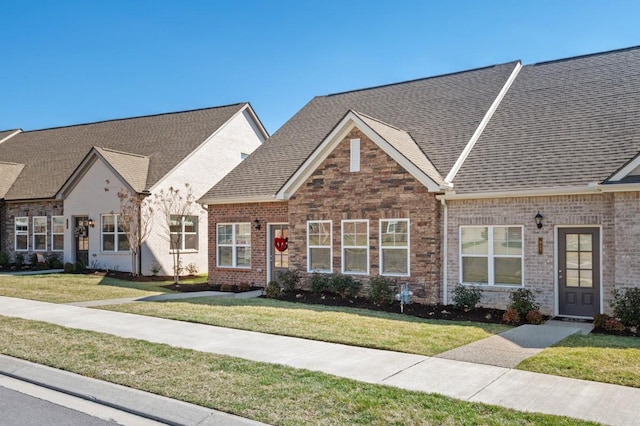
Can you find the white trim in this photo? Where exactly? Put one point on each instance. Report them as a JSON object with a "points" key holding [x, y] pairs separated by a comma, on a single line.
{"points": [[234, 245], [445, 253], [34, 234], [53, 234], [11, 135], [330, 247], [381, 249], [485, 120], [342, 247], [195, 151], [15, 233], [354, 155], [269, 250], [115, 233], [624, 172], [556, 254], [348, 122], [491, 256]]}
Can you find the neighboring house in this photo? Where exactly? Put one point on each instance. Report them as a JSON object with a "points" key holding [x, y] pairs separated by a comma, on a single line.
{"points": [[438, 181], [59, 186]]}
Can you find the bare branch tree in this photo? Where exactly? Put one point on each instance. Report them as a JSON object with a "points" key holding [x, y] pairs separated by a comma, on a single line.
{"points": [[175, 207], [136, 217]]}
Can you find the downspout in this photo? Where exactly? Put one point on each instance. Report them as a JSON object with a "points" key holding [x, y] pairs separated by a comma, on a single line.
{"points": [[445, 250]]}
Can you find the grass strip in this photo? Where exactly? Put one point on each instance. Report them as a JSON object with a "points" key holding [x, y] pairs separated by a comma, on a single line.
{"points": [[358, 327], [600, 358], [264, 392]]}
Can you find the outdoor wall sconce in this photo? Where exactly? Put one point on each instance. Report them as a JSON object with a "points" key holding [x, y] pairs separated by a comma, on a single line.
{"points": [[91, 223], [538, 218], [256, 224]]}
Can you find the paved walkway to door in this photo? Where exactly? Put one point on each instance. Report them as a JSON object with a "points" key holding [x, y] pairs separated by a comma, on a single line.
{"points": [[521, 390]]}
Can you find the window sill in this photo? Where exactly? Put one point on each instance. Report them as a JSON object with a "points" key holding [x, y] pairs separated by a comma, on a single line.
{"points": [[183, 251], [233, 268], [495, 287]]}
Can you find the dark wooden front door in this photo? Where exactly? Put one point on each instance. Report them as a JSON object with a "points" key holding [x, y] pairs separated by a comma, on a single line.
{"points": [[579, 271], [81, 237], [279, 249]]}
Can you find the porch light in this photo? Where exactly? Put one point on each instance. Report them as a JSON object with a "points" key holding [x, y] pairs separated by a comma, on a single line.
{"points": [[538, 218], [256, 224], [91, 223]]}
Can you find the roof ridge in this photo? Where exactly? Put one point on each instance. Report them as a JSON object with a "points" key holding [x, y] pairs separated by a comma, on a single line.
{"points": [[133, 118], [419, 79], [587, 55], [380, 121], [11, 163], [121, 152]]}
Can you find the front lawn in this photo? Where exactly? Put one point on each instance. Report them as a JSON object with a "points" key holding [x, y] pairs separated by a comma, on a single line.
{"points": [[608, 359], [68, 288], [265, 392], [350, 326]]}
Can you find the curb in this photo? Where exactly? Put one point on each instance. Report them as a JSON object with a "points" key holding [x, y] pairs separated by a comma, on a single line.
{"points": [[132, 401]]}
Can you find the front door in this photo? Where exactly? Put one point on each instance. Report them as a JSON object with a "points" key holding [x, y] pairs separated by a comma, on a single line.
{"points": [[279, 249], [81, 237], [579, 271]]}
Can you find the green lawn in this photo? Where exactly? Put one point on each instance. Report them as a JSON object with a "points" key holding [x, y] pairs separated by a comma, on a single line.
{"points": [[67, 288], [265, 392], [350, 326], [600, 358]]}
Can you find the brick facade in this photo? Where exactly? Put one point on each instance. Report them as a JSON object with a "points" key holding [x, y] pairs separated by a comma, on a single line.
{"points": [[616, 215], [236, 213], [27, 209]]}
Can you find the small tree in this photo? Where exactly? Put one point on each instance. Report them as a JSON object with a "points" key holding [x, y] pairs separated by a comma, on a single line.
{"points": [[136, 216], [174, 206]]}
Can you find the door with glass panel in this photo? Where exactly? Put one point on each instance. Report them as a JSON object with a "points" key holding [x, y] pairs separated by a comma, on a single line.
{"points": [[279, 249], [579, 271], [81, 237]]}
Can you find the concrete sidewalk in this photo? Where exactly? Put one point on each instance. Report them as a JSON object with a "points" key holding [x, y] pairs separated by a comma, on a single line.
{"points": [[608, 404]]}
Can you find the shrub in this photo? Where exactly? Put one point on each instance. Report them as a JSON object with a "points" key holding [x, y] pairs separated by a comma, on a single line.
{"points": [[381, 289], [511, 316], [79, 267], [54, 262], [535, 317], [613, 324], [599, 320], [155, 268], [192, 269], [344, 285], [273, 290], [33, 259], [226, 287], [466, 297], [289, 280], [626, 306], [68, 267], [319, 282], [523, 301], [4, 259], [244, 286], [19, 260]]}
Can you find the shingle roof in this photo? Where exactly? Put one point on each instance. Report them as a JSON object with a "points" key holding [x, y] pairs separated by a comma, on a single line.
{"points": [[133, 168], [439, 113], [50, 156], [563, 123], [6, 133], [8, 174]]}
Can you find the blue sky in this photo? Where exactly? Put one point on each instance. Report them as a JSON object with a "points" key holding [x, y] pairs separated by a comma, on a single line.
{"points": [[70, 62]]}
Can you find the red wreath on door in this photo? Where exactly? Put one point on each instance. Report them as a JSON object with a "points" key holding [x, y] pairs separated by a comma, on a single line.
{"points": [[281, 244]]}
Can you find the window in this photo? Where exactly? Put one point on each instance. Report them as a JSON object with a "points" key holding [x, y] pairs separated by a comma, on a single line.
{"points": [[394, 247], [234, 245], [57, 233], [491, 255], [354, 164], [21, 233], [355, 246], [319, 252], [184, 232], [40, 233], [114, 236]]}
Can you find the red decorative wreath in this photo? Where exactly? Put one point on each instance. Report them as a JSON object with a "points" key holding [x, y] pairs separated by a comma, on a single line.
{"points": [[281, 244]]}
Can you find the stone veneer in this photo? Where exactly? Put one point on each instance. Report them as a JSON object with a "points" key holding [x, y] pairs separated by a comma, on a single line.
{"points": [[617, 215], [10, 210], [382, 189]]}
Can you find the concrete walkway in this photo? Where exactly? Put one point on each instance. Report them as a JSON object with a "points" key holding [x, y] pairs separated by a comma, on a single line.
{"points": [[521, 390]]}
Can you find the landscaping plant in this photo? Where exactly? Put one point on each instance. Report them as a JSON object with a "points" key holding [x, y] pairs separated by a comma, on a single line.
{"points": [[273, 290], [344, 285], [466, 297], [319, 282], [381, 289], [289, 280], [523, 301], [626, 306]]}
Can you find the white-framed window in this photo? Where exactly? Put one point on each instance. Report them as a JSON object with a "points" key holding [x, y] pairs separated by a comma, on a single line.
{"points": [[319, 246], [491, 255], [21, 228], [234, 245], [184, 232], [57, 233], [354, 160], [394, 247], [355, 247], [114, 236], [40, 233]]}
